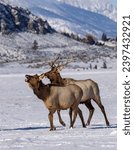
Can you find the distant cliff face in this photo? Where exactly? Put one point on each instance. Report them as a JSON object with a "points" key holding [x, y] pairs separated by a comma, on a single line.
{"points": [[15, 19]]}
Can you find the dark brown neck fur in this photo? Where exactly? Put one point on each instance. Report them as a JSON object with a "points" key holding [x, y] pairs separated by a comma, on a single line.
{"points": [[43, 91], [55, 78]]}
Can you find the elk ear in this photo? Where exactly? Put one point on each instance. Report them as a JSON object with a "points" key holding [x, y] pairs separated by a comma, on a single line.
{"points": [[60, 68], [42, 76]]}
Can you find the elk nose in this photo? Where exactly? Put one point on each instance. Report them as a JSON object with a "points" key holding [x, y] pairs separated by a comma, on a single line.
{"points": [[27, 78]]}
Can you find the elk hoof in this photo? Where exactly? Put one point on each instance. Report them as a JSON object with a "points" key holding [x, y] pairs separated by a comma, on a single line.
{"points": [[84, 126], [71, 127], [63, 124], [108, 124], [52, 129], [87, 124]]}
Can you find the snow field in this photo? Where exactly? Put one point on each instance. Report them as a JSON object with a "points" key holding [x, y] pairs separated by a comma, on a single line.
{"points": [[24, 122]]}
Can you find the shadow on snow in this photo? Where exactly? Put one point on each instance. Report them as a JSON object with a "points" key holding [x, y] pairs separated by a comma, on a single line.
{"points": [[25, 129], [96, 126], [100, 126]]}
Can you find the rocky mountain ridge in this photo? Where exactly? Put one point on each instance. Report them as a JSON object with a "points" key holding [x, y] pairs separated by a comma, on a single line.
{"points": [[17, 19], [67, 18]]}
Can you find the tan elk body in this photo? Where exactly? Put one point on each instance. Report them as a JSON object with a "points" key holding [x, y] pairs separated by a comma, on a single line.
{"points": [[57, 98], [89, 87]]}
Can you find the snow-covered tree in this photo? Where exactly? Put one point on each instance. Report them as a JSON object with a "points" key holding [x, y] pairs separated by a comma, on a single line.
{"points": [[104, 37], [3, 26], [35, 45]]}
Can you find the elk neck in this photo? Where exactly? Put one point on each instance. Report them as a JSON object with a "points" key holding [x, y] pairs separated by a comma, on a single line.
{"points": [[42, 91], [55, 78]]}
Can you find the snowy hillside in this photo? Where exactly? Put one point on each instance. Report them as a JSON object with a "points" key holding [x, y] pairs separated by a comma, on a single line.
{"points": [[103, 7], [18, 27], [67, 18], [20, 48]]}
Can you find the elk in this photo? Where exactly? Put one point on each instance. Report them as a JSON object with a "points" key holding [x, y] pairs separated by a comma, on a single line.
{"points": [[57, 98], [89, 87]]}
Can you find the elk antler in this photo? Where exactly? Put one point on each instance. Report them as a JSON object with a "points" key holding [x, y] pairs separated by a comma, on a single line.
{"points": [[52, 63], [61, 65], [67, 62], [41, 76], [58, 65]]}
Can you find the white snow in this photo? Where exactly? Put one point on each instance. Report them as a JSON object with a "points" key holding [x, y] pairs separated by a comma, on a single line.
{"points": [[24, 123]]}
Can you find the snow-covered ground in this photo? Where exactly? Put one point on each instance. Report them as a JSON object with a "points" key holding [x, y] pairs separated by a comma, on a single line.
{"points": [[24, 123]]}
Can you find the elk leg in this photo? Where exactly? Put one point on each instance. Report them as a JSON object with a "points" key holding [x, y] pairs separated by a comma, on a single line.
{"points": [[104, 113], [50, 117], [98, 101], [91, 110], [60, 119], [74, 116], [81, 117], [70, 114]]}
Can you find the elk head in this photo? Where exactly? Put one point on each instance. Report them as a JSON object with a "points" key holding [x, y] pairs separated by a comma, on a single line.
{"points": [[58, 66], [34, 80], [54, 74]]}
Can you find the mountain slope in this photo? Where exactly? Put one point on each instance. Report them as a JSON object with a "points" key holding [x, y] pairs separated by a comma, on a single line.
{"points": [[67, 18], [14, 19], [103, 7], [19, 45]]}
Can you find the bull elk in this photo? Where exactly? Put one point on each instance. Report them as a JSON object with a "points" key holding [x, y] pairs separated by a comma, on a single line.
{"points": [[57, 98], [89, 87]]}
